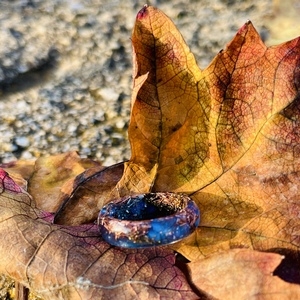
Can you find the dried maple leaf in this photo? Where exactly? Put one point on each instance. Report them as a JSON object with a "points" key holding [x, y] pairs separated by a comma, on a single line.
{"points": [[228, 136], [192, 126], [61, 262]]}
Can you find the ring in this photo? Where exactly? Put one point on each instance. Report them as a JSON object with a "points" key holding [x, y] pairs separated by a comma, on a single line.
{"points": [[147, 220]]}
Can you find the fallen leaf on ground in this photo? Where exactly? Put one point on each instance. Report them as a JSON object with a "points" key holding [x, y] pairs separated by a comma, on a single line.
{"points": [[69, 262]]}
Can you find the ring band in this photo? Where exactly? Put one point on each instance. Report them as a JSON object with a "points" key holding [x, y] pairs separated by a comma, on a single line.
{"points": [[147, 220]]}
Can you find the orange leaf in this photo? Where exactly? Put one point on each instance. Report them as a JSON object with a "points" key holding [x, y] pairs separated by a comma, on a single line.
{"points": [[164, 108], [191, 126], [228, 135]]}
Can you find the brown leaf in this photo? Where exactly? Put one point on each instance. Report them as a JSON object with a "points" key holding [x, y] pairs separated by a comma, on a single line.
{"points": [[72, 187], [87, 194], [68, 262], [54, 175], [242, 274], [20, 171]]}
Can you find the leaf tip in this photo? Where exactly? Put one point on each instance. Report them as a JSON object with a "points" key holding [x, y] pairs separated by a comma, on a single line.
{"points": [[143, 12], [8, 184], [245, 27]]}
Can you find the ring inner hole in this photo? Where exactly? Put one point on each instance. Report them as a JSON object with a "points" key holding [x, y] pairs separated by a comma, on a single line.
{"points": [[148, 206]]}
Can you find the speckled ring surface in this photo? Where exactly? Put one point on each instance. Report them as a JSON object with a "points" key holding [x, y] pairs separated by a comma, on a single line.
{"points": [[147, 220]]}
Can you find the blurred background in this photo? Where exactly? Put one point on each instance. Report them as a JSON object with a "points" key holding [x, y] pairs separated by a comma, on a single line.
{"points": [[65, 68]]}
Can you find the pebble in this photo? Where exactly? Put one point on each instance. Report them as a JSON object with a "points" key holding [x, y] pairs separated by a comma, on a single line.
{"points": [[22, 141]]}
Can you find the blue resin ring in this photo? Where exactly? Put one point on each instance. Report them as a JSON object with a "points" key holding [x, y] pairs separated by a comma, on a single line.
{"points": [[147, 220]]}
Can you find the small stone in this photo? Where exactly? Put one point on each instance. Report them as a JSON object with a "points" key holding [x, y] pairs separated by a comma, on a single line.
{"points": [[108, 94], [109, 161], [117, 139], [121, 124], [27, 155], [22, 141]]}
